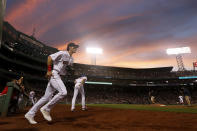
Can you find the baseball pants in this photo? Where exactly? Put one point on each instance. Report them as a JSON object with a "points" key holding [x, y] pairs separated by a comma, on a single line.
{"points": [[187, 98], [54, 84], [78, 88]]}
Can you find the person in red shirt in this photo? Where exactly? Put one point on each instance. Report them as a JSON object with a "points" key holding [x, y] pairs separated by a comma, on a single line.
{"points": [[18, 82], [15, 94], [5, 90]]}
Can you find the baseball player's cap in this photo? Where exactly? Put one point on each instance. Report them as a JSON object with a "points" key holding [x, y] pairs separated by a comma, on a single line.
{"points": [[73, 45], [83, 75]]}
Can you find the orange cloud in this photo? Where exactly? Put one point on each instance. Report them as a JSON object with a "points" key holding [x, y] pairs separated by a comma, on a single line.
{"points": [[67, 16], [21, 13], [23, 10], [126, 37]]}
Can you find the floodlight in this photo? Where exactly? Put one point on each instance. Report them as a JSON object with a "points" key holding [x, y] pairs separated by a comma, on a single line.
{"points": [[94, 50], [176, 51]]}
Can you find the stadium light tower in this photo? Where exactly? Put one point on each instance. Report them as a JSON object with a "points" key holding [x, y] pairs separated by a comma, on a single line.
{"points": [[94, 52], [2, 12], [178, 52]]}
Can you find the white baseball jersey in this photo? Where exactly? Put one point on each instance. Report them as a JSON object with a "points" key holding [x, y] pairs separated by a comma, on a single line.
{"points": [[32, 97], [31, 94], [80, 79], [61, 59], [181, 99]]}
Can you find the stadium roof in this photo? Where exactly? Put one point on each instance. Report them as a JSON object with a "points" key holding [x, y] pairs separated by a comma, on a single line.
{"points": [[157, 69]]}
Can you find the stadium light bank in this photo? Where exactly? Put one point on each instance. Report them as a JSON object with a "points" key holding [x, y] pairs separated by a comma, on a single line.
{"points": [[94, 52], [178, 52]]}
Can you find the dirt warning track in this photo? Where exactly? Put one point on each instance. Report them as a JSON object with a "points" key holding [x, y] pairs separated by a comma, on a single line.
{"points": [[98, 118]]}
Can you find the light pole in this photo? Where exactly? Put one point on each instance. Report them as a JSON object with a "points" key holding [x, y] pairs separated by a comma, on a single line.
{"points": [[178, 52], [2, 12], [94, 52]]}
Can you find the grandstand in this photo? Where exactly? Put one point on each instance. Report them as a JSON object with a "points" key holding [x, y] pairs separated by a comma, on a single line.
{"points": [[23, 55]]}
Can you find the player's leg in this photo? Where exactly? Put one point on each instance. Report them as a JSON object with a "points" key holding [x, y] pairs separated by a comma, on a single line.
{"points": [[181, 101], [152, 99], [57, 84], [31, 113], [82, 98], [188, 100], [76, 90]]}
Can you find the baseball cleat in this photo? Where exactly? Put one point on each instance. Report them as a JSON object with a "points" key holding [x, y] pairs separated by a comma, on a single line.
{"points": [[84, 109], [46, 115], [30, 119], [72, 110]]}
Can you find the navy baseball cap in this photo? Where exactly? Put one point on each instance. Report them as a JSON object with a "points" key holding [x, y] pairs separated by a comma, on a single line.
{"points": [[83, 75], [73, 45]]}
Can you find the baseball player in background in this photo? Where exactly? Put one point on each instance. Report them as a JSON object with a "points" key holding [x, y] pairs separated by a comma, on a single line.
{"points": [[152, 96], [79, 87], [32, 98], [59, 61], [187, 95], [181, 99]]}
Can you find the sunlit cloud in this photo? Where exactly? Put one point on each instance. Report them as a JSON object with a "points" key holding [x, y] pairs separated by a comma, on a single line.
{"points": [[132, 33]]}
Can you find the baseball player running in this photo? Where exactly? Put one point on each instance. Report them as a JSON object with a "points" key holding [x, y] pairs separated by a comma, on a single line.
{"points": [[79, 88], [60, 61]]}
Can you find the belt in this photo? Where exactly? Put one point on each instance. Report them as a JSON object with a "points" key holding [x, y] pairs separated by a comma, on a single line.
{"points": [[56, 71]]}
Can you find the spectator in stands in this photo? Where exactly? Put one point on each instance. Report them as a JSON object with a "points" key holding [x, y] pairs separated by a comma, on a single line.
{"points": [[18, 89], [17, 82]]}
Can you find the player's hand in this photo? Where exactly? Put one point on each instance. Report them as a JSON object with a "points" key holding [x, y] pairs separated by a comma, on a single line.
{"points": [[22, 88], [48, 75]]}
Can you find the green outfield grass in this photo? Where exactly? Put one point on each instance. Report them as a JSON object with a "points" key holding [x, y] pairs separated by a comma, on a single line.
{"points": [[168, 108]]}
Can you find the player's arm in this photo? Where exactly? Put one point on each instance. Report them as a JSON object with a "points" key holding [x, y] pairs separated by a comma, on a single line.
{"points": [[22, 88], [49, 67]]}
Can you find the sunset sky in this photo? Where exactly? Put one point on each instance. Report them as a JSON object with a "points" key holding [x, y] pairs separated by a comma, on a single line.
{"points": [[132, 33]]}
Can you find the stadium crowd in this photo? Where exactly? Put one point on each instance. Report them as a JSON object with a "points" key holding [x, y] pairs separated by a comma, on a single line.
{"points": [[105, 94]]}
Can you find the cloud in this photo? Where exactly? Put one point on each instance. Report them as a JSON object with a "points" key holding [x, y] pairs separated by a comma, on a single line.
{"points": [[23, 9], [21, 14], [133, 33]]}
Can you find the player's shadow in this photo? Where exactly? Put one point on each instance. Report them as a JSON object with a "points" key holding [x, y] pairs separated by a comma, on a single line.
{"points": [[22, 129], [70, 119], [4, 123]]}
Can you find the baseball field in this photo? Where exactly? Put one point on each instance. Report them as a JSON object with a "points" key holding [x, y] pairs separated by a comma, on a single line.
{"points": [[109, 117]]}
